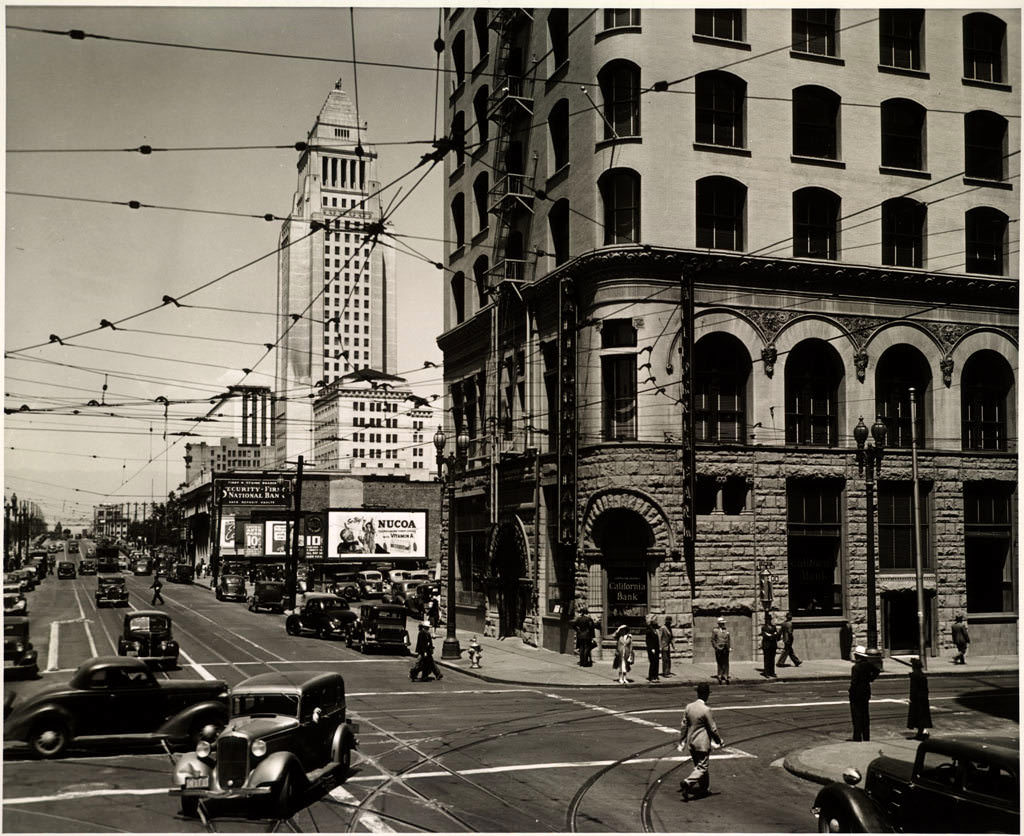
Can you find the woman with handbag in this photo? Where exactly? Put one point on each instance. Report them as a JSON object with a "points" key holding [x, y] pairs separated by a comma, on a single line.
{"points": [[623, 653]]}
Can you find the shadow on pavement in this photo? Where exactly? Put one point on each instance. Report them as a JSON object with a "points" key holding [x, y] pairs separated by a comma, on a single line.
{"points": [[997, 702]]}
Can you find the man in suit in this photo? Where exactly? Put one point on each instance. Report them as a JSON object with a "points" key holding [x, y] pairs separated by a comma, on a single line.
{"points": [[653, 649], [769, 644], [697, 733], [961, 638], [721, 641], [862, 674], [786, 635]]}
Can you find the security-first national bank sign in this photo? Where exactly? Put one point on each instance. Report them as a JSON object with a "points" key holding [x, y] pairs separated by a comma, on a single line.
{"points": [[251, 492]]}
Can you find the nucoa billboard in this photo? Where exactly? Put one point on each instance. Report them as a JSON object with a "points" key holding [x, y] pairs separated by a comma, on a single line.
{"points": [[361, 534]]}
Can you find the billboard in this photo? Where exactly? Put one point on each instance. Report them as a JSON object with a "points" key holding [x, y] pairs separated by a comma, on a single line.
{"points": [[252, 492], [253, 539], [277, 537], [359, 534], [227, 533]]}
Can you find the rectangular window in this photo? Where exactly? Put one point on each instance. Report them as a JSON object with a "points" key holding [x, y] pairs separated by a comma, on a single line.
{"points": [[618, 380], [471, 525], [814, 31], [720, 23], [988, 546], [899, 38], [814, 540], [896, 527], [615, 18]]}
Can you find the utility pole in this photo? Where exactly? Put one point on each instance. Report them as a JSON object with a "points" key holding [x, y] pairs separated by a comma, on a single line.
{"points": [[293, 558]]}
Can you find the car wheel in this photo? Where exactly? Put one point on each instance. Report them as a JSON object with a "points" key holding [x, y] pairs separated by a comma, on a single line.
{"points": [[346, 759], [284, 804], [218, 596], [292, 627], [50, 738], [362, 646], [830, 822], [323, 633], [189, 806]]}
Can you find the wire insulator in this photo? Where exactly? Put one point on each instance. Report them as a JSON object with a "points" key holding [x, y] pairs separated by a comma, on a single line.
{"points": [[77, 35], [134, 204], [145, 149], [268, 217], [301, 146], [660, 86], [439, 45]]}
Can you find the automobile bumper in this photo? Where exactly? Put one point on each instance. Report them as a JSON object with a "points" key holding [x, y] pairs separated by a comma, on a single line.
{"points": [[233, 596]]}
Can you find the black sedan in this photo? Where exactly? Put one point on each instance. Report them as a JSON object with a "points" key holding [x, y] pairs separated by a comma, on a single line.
{"points": [[328, 616], [111, 591], [66, 570], [112, 697], [230, 588], [147, 635]]}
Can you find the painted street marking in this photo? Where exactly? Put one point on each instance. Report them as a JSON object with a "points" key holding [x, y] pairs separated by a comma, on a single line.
{"points": [[717, 708], [71, 796], [51, 656], [629, 717], [88, 635], [439, 693], [225, 630], [274, 662], [371, 821], [192, 663]]}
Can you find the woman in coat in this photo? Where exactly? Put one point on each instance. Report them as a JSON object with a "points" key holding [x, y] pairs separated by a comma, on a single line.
{"points": [[623, 652], [919, 714]]}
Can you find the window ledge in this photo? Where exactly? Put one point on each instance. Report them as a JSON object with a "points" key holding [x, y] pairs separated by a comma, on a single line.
{"points": [[822, 620], [616, 30], [557, 74], [480, 236], [991, 617], [814, 56], [457, 92], [904, 172], [721, 149], [480, 150], [557, 178], [618, 140], [709, 39], [990, 184], [456, 253], [884, 68], [824, 161], [988, 85], [456, 173], [480, 65]]}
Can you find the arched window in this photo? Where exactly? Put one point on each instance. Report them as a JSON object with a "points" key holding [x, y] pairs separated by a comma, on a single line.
{"points": [[480, 267], [815, 122], [459, 58], [721, 211], [984, 145], [558, 35], [900, 368], [814, 374], [720, 105], [903, 222], [620, 196], [815, 223], [481, 32], [480, 114], [721, 370], [459, 219], [986, 240], [620, 92], [984, 47], [903, 134], [899, 38], [480, 186], [458, 284], [558, 223], [459, 137], [558, 130], [985, 398]]}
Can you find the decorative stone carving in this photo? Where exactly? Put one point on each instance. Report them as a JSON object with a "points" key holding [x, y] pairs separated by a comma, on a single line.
{"points": [[860, 360], [770, 322], [769, 354], [946, 364]]}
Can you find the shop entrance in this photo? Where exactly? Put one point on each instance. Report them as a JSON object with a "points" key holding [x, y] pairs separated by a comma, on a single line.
{"points": [[512, 587], [899, 627], [624, 538]]}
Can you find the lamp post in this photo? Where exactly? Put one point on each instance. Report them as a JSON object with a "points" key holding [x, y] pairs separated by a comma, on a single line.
{"points": [[869, 459], [8, 535], [293, 497], [448, 467]]}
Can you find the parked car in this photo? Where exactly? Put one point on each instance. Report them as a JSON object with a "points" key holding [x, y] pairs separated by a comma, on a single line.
{"points": [[346, 585], [954, 785], [418, 598], [111, 591], [66, 570], [398, 575], [20, 580], [124, 564], [380, 626], [287, 732], [230, 588], [114, 697], [14, 603], [38, 568], [147, 635], [19, 655], [268, 595], [401, 591], [371, 583], [328, 616], [143, 567], [182, 573], [86, 566]]}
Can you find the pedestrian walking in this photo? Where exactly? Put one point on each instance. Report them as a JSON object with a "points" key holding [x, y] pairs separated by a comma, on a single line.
{"points": [[666, 641], [961, 639], [919, 714], [653, 649], [697, 733], [434, 613], [786, 636], [769, 644], [586, 632], [721, 642], [156, 586], [425, 665], [862, 674], [623, 660]]}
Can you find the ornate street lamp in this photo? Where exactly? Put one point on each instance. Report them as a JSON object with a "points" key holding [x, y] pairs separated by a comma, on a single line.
{"points": [[448, 468], [869, 459]]}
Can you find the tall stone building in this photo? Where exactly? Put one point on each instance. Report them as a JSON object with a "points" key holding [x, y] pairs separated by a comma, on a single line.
{"points": [[689, 251], [336, 300]]}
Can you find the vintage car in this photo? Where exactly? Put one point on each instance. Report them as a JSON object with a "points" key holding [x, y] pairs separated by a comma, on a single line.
{"points": [[230, 588], [268, 595], [328, 616], [401, 591], [124, 564], [953, 785], [107, 559], [20, 580], [182, 573], [114, 697], [417, 598], [380, 626], [86, 566], [287, 732], [142, 567], [346, 585], [72, 547], [66, 570], [19, 655], [371, 583], [14, 603], [111, 591], [147, 635]]}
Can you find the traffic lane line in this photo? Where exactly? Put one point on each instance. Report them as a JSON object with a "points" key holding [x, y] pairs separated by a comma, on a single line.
{"points": [[762, 707], [626, 716], [371, 821]]}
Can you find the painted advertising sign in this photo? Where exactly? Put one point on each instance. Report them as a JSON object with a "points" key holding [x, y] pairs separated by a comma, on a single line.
{"points": [[254, 539], [227, 533], [252, 492], [627, 596], [359, 534], [276, 537]]}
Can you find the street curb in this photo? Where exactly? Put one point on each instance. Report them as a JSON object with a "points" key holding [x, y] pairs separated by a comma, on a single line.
{"points": [[792, 764]]}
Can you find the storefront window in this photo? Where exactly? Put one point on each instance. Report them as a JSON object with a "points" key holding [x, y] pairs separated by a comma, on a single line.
{"points": [[814, 538]]}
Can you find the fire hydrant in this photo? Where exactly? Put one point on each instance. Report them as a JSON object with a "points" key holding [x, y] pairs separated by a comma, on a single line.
{"points": [[475, 652]]}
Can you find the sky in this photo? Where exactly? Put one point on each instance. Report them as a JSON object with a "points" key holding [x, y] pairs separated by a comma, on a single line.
{"points": [[74, 258]]}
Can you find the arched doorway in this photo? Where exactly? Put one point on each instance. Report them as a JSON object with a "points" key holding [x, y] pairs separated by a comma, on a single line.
{"points": [[510, 582], [624, 537]]}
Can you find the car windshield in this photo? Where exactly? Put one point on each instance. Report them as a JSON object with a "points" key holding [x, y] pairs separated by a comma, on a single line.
{"points": [[15, 629], [391, 616], [248, 704], [147, 623]]}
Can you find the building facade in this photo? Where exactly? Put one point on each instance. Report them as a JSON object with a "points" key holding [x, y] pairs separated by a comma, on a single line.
{"points": [[689, 252], [202, 459], [335, 288], [111, 521], [369, 421]]}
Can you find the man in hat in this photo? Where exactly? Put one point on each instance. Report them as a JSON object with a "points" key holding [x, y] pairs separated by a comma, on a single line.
{"points": [[666, 641], [769, 644], [425, 664], [697, 732], [961, 639], [653, 644], [862, 674], [586, 630], [721, 641], [786, 635]]}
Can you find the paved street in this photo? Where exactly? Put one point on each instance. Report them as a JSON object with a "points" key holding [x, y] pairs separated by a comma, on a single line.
{"points": [[462, 754]]}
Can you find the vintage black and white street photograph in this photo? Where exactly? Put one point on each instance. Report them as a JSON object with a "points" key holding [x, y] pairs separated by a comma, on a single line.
{"points": [[503, 419]]}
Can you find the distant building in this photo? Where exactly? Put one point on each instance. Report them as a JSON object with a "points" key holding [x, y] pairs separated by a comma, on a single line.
{"points": [[335, 290], [369, 421], [202, 459], [111, 521]]}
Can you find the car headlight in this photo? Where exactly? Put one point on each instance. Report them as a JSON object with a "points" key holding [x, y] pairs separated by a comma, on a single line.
{"points": [[258, 748], [137, 644], [203, 749], [164, 645], [334, 624], [19, 648]]}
